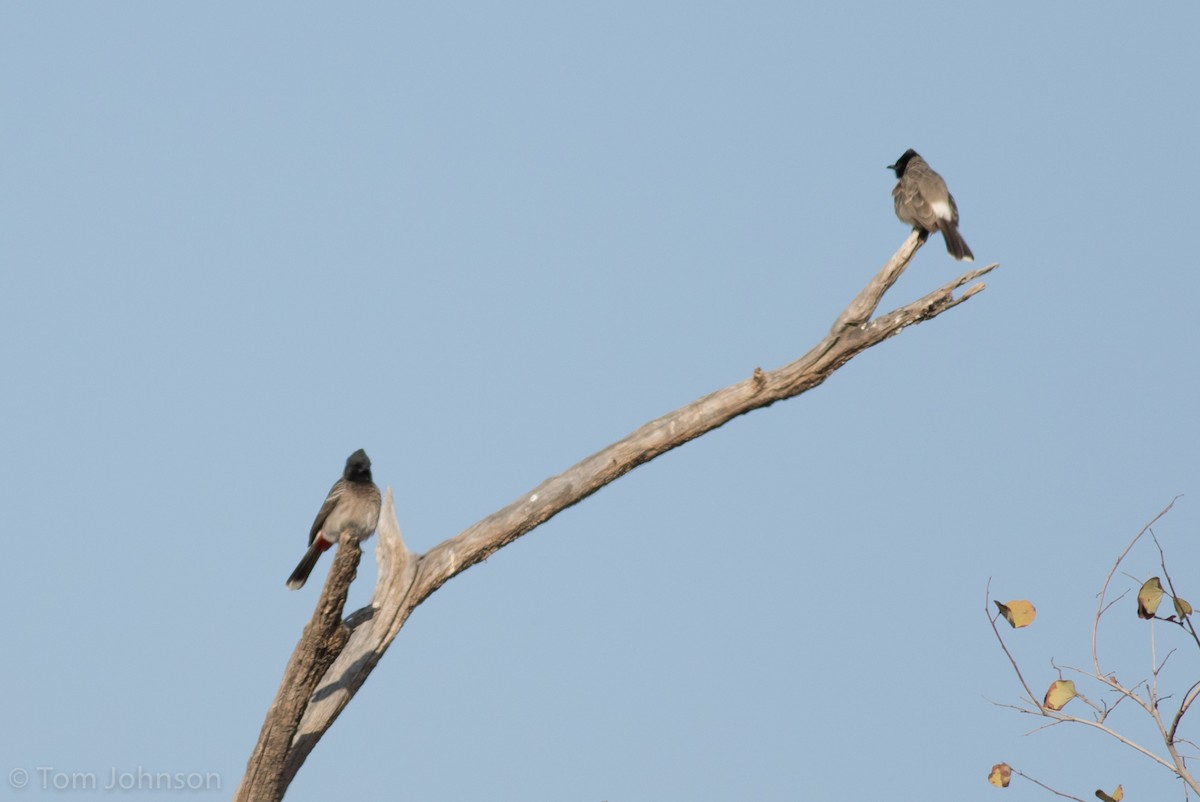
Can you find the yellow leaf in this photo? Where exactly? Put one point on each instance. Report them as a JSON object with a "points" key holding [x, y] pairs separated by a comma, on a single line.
{"points": [[1000, 775], [1182, 607], [1060, 692], [1018, 613], [1117, 795], [1149, 597]]}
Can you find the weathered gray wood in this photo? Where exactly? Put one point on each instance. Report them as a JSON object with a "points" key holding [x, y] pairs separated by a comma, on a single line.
{"points": [[323, 639], [405, 579]]}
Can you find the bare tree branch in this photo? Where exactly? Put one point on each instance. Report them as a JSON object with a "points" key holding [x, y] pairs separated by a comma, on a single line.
{"points": [[405, 579], [1152, 701], [324, 638]]}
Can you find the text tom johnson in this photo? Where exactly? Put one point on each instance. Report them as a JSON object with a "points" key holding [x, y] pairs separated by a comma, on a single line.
{"points": [[135, 779]]}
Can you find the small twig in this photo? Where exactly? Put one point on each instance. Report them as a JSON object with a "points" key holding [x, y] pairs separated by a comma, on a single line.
{"points": [[1124, 593], [987, 609], [1163, 664], [1048, 788], [1188, 698], [1100, 608], [1120, 699], [1185, 622], [1090, 703], [1054, 723]]}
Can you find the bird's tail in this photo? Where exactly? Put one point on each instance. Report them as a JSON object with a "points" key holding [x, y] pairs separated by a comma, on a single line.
{"points": [[955, 243], [307, 563]]}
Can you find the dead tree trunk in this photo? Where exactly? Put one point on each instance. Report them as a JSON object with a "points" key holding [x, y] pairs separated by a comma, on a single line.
{"points": [[335, 656]]}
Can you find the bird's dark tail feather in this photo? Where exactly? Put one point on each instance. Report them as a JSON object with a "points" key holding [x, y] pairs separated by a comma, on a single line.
{"points": [[309, 561], [955, 244]]}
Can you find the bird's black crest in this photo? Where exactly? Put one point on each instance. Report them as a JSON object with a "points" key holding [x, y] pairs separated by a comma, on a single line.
{"points": [[902, 163], [358, 467]]}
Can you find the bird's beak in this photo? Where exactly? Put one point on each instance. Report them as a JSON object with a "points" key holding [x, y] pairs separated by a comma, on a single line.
{"points": [[890, 167]]}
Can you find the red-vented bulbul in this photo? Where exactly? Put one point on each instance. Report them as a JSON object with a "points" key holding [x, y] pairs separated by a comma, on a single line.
{"points": [[923, 202], [352, 506]]}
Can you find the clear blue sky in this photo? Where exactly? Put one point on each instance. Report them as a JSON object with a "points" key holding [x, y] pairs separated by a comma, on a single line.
{"points": [[482, 241]]}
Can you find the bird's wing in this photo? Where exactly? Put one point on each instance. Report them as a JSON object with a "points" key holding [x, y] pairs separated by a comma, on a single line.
{"points": [[911, 206], [936, 200], [331, 501]]}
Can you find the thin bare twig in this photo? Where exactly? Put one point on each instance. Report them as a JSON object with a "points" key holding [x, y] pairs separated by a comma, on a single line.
{"points": [[1100, 607], [1188, 698], [1124, 593], [987, 609], [1185, 621], [1054, 723], [1048, 788]]}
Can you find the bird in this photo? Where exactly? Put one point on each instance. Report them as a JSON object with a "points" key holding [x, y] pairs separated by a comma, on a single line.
{"points": [[924, 202], [352, 507]]}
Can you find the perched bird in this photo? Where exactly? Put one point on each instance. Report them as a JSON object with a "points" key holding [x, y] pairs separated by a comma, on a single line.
{"points": [[352, 506], [923, 202]]}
